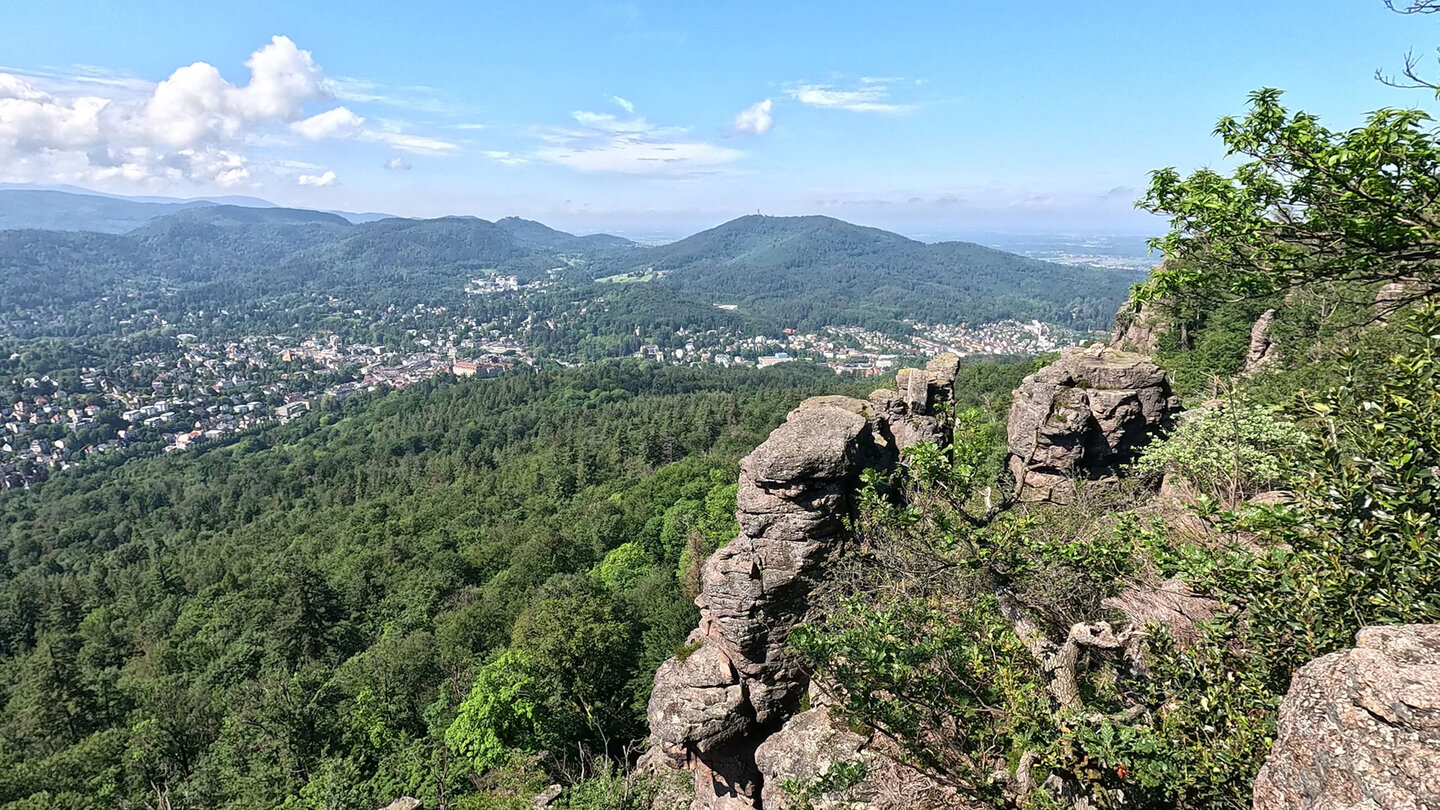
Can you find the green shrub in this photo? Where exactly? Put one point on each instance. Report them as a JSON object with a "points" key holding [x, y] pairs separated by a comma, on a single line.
{"points": [[1229, 452]]}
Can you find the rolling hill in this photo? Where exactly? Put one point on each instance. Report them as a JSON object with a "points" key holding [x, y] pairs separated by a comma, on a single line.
{"points": [[804, 272], [536, 235], [810, 271]]}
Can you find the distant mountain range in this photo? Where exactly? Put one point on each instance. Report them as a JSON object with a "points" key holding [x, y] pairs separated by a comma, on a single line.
{"points": [[803, 272], [67, 208]]}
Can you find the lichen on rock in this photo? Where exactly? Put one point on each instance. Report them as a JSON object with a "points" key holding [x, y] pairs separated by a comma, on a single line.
{"points": [[1360, 729]]}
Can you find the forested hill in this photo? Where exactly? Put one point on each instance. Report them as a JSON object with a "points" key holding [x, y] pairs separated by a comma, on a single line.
{"points": [[271, 251], [808, 272], [812, 271], [295, 617], [537, 235]]}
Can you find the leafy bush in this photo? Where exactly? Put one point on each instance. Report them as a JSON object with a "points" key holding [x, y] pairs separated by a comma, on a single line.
{"points": [[1229, 452]]}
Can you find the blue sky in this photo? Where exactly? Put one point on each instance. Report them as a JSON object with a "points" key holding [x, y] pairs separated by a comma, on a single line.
{"points": [[928, 118]]}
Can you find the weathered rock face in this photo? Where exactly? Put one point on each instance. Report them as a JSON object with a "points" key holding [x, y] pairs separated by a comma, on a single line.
{"points": [[812, 742], [711, 711], [1082, 417], [1390, 298], [1263, 350], [1172, 605], [1137, 327], [1360, 729]]}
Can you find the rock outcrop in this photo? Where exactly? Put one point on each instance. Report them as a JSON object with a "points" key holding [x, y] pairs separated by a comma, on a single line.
{"points": [[1263, 350], [1360, 729], [1137, 327], [1082, 417], [1171, 605], [812, 742], [1391, 298], [737, 686]]}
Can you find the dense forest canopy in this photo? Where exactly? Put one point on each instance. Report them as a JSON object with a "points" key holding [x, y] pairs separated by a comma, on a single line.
{"points": [[301, 615]]}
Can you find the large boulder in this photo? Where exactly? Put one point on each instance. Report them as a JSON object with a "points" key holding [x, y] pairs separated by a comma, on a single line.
{"points": [[698, 699], [794, 760], [1360, 729], [1083, 417]]}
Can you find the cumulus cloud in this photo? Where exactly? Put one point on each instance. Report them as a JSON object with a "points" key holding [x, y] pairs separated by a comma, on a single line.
{"points": [[337, 123], [626, 104], [870, 95], [607, 144], [398, 164], [326, 179], [755, 119], [192, 127]]}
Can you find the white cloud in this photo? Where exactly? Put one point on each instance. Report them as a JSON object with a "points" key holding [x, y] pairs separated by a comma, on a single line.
{"points": [[326, 179], [398, 164], [755, 119], [405, 142], [337, 123], [193, 127], [607, 144], [414, 97], [504, 158], [625, 104], [871, 95]]}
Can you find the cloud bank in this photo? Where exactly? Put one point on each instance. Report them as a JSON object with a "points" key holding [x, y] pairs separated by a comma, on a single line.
{"points": [[193, 127]]}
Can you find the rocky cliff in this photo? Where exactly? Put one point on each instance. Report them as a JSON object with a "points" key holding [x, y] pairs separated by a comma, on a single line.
{"points": [[1360, 729], [1082, 417], [737, 686], [737, 718]]}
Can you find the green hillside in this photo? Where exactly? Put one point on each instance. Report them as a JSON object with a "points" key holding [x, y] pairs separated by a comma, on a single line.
{"points": [[302, 612], [813, 271]]}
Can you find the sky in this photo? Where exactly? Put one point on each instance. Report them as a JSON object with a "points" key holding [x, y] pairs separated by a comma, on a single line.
{"points": [[929, 118]]}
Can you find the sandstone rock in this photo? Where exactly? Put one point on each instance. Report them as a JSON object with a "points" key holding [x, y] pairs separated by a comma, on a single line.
{"points": [[711, 712], [907, 414], [1360, 729], [811, 742], [815, 442], [698, 701], [546, 797], [404, 803], [1390, 298], [1263, 350], [1172, 606], [803, 751], [1084, 416], [1137, 327]]}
